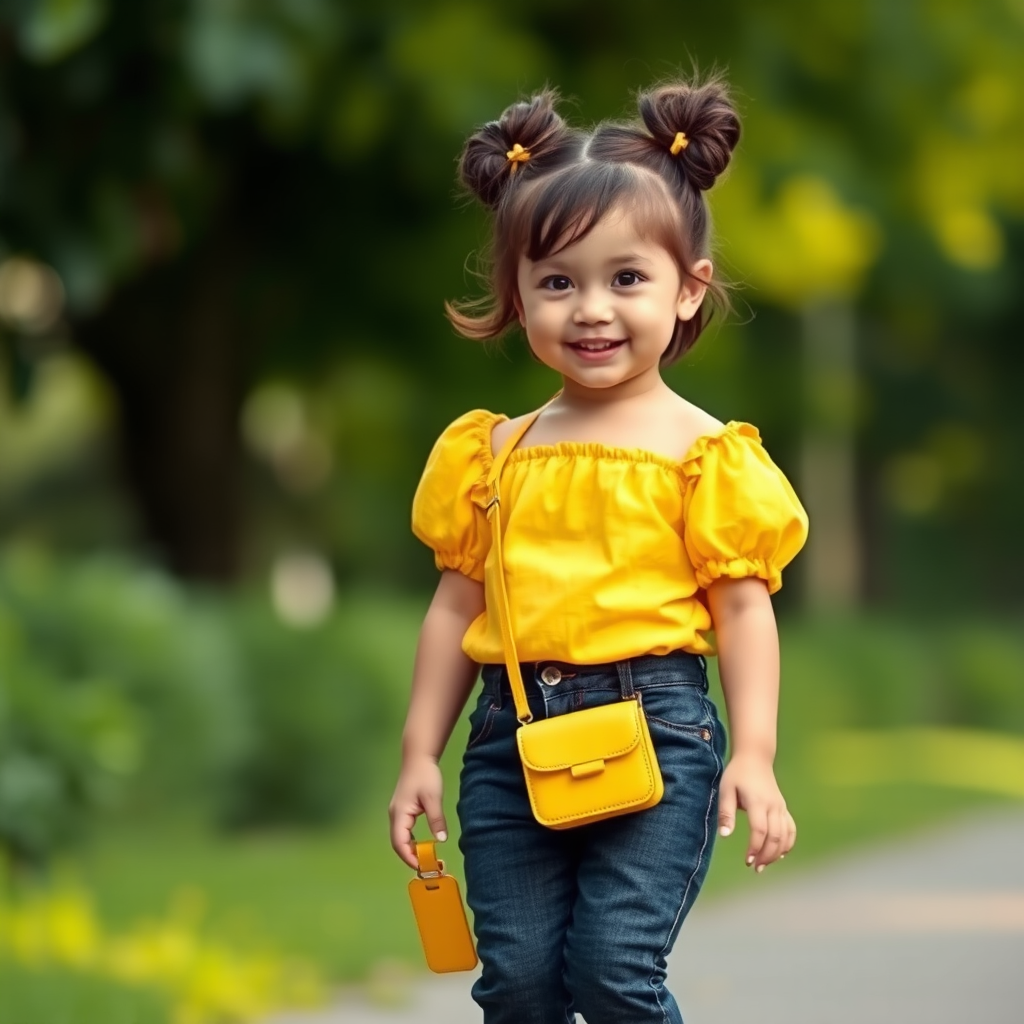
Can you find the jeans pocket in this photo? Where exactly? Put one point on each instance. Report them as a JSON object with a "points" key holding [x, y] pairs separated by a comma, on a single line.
{"points": [[681, 707]]}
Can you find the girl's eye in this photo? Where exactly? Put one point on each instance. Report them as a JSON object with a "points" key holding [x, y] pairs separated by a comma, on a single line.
{"points": [[557, 283], [627, 278]]}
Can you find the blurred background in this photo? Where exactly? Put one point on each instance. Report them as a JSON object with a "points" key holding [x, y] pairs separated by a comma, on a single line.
{"points": [[227, 228]]}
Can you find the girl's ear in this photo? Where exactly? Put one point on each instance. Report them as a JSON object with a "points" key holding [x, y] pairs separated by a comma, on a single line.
{"points": [[695, 284], [518, 303]]}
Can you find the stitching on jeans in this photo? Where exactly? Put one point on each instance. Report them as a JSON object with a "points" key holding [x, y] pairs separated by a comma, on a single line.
{"points": [[582, 691], [689, 881], [485, 730], [687, 730], [670, 684], [707, 721]]}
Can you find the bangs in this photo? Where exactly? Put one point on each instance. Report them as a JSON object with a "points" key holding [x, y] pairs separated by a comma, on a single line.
{"points": [[564, 207]]}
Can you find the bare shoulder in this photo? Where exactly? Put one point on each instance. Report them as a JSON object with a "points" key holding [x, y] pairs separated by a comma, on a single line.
{"points": [[691, 422], [503, 430]]}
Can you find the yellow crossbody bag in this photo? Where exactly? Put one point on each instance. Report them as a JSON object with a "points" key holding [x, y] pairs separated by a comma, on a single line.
{"points": [[582, 766]]}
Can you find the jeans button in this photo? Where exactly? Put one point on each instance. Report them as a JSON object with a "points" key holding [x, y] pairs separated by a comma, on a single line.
{"points": [[550, 675]]}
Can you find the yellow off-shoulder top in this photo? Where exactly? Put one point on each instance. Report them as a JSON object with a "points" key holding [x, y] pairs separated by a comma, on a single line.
{"points": [[607, 550]]}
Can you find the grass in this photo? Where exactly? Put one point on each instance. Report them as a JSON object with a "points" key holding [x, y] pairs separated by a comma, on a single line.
{"points": [[54, 996], [339, 896]]}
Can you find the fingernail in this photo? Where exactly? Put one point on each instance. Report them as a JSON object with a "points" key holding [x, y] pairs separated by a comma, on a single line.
{"points": [[725, 830], [442, 836], [760, 868], [750, 860]]}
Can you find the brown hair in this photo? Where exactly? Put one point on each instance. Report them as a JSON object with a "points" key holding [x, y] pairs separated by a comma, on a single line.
{"points": [[572, 179]]}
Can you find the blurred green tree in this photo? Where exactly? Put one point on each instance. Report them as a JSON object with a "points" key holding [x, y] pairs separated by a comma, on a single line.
{"points": [[234, 191], [212, 184]]}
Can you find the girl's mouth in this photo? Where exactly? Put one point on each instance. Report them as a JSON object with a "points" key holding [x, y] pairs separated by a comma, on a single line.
{"points": [[595, 351]]}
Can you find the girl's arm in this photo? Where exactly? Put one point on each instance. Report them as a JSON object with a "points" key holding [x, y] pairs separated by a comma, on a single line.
{"points": [[443, 677], [748, 662]]}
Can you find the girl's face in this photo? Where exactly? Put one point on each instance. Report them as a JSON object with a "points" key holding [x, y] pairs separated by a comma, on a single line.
{"points": [[602, 310]]}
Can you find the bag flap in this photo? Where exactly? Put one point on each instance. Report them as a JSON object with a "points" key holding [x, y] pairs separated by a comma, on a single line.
{"points": [[578, 737]]}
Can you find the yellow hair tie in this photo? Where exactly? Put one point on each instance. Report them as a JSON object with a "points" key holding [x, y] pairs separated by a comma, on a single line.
{"points": [[679, 144], [517, 155]]}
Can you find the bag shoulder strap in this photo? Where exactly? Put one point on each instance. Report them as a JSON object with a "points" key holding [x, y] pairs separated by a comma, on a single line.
{"points": [[523, 712]]}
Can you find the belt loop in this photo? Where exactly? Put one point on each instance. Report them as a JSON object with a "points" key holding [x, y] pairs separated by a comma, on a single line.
{"points": [[491, 676], [501, 686], [625, 670]]}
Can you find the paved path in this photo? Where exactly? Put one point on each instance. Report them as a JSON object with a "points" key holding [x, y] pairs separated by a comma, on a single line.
{"points": [[928, 930]]}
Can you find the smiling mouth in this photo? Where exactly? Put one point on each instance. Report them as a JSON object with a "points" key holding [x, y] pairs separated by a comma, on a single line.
{"points": [[595, 346]]}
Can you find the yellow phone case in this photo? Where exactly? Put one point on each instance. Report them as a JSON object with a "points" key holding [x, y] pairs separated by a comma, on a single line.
{"points": [[440, 915]]}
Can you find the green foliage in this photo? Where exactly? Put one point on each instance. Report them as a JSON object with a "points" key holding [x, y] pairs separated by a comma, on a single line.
{"points": [[120, 688], [49, 30], [152, 643], [66, 749], [316, 711], [63, 996], [870, 672], [275, 204]]}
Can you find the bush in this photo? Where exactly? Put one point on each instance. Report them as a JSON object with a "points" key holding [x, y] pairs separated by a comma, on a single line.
{"points": [[65, 751], [870, 671], [154, 644], [316, 710], [123, 686]]}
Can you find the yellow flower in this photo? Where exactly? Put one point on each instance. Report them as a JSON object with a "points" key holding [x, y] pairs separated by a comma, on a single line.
{"points": [[207, 982]]}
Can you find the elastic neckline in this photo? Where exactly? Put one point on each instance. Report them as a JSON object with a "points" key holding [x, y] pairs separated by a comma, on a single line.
{"points": [[599, 450]]}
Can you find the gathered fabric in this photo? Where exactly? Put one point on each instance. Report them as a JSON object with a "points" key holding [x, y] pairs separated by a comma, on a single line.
{"points": [[608, 551]]}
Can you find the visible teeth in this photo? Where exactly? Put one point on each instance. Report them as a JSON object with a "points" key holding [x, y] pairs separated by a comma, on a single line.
{"points": [[596, 348]]}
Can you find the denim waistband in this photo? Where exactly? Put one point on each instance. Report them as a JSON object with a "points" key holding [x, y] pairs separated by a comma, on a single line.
{"points": [[677, 667]]}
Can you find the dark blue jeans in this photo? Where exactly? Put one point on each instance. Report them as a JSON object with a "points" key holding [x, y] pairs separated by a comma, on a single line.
{"points": [[581, 920]]}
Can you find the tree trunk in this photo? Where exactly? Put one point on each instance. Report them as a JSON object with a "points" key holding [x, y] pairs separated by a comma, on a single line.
{"points": [[171, 345], [828, 475]]}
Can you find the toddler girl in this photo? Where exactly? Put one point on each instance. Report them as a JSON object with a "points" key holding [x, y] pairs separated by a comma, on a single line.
{"points": [[640, 535]]}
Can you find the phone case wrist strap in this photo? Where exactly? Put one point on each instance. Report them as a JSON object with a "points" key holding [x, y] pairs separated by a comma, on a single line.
{"points": [[426, 857]]}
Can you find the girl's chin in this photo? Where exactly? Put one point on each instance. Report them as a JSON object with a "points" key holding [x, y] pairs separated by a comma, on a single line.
{"points": [[596, 380]]}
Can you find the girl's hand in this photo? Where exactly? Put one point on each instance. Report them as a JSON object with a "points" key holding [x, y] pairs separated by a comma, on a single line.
{"points": [[749, 783], [418, 791]]}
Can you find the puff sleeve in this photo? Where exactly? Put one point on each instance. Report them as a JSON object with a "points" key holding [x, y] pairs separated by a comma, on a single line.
{"points": [[742, 517], [444, 516]]}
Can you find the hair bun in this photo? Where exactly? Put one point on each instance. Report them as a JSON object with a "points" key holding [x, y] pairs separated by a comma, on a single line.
{"points": [[532, 125], [705, 114]]}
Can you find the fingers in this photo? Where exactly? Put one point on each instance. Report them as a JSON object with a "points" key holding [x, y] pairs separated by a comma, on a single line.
{"points": [[772, 845], [419, 791], [758, 817], [772, 835], [727, 810], [402, 841], [415, 796], [790, 841], [748, 784], [435, 816]]}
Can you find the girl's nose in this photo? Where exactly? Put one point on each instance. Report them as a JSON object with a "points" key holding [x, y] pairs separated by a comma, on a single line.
{"points": [[592, 307]]}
